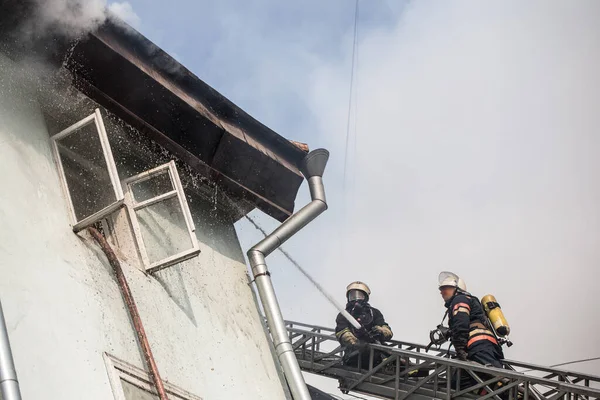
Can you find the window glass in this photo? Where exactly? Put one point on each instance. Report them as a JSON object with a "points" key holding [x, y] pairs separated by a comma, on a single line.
{"points": [[164, 230], [86, 171], [133, 392], [152, 187], [160, 216]]}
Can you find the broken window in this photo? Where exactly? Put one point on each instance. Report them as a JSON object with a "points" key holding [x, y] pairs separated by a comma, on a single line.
{"points": [[162, 223], [87, 171], [132, 383], [156, 227]]}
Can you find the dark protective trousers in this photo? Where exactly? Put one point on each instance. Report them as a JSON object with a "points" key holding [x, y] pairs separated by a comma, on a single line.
{"points": [[484, 353]]}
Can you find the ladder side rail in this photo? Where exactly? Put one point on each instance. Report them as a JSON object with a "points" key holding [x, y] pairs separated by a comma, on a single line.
{"points": [[512, 375], [558, 371]]}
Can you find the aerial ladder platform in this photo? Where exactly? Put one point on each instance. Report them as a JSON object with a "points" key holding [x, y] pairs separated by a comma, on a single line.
{"points": [[415, 372]]}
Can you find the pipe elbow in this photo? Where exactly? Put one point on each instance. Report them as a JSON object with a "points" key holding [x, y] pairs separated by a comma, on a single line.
{"points": [[254, 254], [321, 204]]}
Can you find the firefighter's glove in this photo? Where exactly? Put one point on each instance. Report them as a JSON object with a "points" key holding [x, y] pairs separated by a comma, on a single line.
{"points": [[461, 354], [382, 332], [348, 339]]}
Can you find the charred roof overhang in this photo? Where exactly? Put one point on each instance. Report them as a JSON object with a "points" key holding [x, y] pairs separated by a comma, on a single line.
{"points": [[129, 75], [132, 77]]}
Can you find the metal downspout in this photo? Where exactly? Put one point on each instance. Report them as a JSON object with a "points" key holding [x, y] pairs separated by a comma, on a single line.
{"points": [[312, 167], [9, 384]]}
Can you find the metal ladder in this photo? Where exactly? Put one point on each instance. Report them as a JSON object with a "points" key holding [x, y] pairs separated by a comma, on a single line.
{"points": [[411, 372]]}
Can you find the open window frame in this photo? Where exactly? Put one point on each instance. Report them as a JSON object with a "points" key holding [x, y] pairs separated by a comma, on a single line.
{"points": [[96, 119], [133, 206], [121, 371]]}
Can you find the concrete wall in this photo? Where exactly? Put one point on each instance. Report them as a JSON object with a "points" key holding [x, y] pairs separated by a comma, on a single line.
{"points": [[64, 309]]}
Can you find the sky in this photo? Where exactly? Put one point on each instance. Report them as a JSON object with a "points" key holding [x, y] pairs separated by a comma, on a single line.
{"points": [[473, 149]]}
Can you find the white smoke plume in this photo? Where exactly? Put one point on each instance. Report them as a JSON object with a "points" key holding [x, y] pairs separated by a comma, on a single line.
{"points": [[124, 11], [74, 18]]}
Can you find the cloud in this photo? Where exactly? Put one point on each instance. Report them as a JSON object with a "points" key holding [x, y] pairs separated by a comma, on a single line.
{"points": [[476, 142], [125, 11], [475, 152], [477, 132]]}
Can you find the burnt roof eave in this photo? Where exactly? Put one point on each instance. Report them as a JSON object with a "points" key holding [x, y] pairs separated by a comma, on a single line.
{"points": [[210, 128]]}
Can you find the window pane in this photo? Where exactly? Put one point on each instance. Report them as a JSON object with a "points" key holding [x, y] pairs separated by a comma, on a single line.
{"points": [[153, 187], [164, 230], [133, 392], [86, 171]]}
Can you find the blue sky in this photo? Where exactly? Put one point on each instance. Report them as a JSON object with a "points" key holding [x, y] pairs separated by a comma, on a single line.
{"points": [[261, 53], [476, 133]]}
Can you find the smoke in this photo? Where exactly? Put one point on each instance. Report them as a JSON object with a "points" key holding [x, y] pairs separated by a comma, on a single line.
{"points": [[477, 126], [73, 18], [477, 130], [125, 12]]}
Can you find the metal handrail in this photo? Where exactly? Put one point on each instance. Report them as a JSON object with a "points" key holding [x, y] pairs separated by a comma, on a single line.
{"points": [[557, 383]]}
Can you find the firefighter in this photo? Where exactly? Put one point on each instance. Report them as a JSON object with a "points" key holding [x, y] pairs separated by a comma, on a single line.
{"points": [[374, 328], [470, 332]]}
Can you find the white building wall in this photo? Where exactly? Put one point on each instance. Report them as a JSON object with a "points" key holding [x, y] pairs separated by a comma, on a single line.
{"points": [[63, 306]]}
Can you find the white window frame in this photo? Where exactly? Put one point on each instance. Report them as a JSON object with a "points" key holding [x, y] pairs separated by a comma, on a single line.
{"points": [[120, 370], [133, 206], [95, 118]]}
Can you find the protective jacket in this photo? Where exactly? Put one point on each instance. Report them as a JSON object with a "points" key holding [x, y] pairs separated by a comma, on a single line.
{"points": [[369, 317], [470, 331]]}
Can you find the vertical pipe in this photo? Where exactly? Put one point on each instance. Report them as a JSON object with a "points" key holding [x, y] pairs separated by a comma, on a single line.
{"points": [[133, 311], [281, 340], [8, 374], [312, 167]]}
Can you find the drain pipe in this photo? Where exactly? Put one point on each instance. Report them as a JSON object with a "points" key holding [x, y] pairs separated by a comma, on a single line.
{"points": [[312, 167], [9, 384]]}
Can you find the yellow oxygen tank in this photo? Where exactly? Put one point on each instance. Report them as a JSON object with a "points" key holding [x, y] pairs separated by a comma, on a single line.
{"points": [[496, 316]]}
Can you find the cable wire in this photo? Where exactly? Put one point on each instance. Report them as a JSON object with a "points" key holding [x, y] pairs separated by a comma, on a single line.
{"points": [[575, 362], [567, 363], [356, 87], [354, 41]]}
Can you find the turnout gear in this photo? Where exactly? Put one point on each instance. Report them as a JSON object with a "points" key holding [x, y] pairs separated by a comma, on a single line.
{"points": [[373, 327], [470, 331], [369, 317]]}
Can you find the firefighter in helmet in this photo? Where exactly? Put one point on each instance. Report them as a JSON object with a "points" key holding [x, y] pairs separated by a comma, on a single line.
{"points": [[470, 332], [374, 328]]}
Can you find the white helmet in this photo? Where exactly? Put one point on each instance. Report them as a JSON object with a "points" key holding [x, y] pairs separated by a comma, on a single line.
{"points": [[357, 291], [451, 279]]}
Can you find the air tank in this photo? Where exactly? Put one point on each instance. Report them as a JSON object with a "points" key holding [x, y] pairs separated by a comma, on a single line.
{"points": [[495, 315]]}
